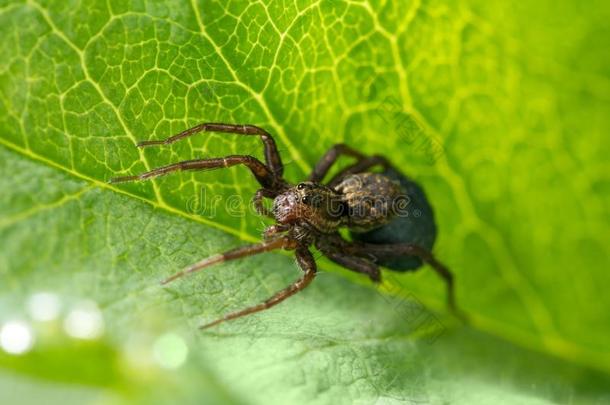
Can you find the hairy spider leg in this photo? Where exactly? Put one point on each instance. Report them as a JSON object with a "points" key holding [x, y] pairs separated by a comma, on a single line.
{"points": [[258, 201], [262, 173], [362, 163], [359, 167], [413, 250], [330, 158], [272, 156], [357, 264], [305, 261], [237, 253]]}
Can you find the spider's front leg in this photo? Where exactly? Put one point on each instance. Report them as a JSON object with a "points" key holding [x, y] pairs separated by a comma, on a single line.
{"points": [[305, 261], [265, 177], [272, 156], [274, 239], [237, 253], [269, 175]]}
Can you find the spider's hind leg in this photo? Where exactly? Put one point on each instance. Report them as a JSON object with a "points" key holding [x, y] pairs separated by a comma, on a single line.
{"points": [[357, 264], [394, 250]]}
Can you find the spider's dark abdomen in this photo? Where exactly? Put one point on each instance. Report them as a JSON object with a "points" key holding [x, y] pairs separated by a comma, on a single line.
{"points": [[414, 225], [370, 199]]}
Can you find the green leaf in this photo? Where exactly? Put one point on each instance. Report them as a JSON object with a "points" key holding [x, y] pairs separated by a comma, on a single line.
{"points": [[500, 111]]}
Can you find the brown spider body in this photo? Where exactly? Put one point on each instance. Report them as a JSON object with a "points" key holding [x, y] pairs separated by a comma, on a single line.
{"points": [[312, 212], [359, 202]]}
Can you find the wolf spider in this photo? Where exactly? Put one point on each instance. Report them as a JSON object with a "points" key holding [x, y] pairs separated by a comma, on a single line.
{"points": [[311, 213]]}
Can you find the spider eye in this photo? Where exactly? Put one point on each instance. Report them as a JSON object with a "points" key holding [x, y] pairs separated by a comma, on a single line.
{"points": [[300, 186], [305, 199]]}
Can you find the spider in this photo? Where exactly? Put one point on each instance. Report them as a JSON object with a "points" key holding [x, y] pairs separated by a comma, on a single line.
{"points": [[311, 213]]}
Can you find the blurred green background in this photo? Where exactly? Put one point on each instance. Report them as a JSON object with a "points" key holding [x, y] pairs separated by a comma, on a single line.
{"points": [[501, 112]]}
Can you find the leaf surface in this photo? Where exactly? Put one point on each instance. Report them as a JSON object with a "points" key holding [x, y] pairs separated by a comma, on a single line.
{"points": [[499, 111]]}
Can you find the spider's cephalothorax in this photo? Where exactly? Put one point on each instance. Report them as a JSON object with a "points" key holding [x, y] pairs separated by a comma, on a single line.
{"points": [[310, 205], [373, 206]]}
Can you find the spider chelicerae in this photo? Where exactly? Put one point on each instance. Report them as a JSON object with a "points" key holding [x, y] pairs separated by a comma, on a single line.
{"points": [[369, 204]]}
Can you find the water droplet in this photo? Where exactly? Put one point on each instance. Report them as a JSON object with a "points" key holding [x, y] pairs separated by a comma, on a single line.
{"points": [[84, 321], [170, 351], [44, 306], [16, 337]]}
